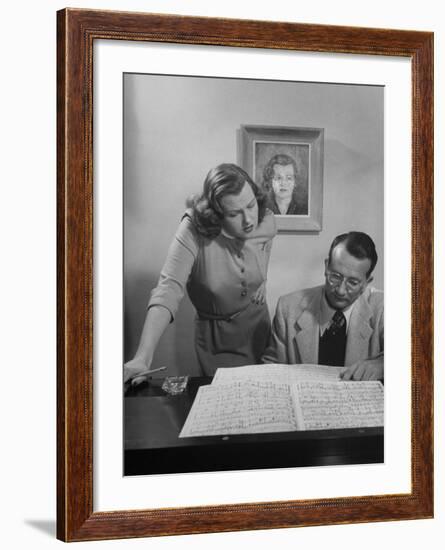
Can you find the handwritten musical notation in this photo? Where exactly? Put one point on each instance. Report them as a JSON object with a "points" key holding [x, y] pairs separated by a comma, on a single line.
{"points": [[324, 405], [281, 398], [239, 408]]}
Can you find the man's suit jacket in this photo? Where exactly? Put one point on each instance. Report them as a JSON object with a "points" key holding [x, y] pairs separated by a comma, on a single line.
{"points": [[296, 328]]}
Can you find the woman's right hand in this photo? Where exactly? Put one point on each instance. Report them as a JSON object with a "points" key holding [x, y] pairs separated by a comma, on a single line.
{"points": [[133, 368], [156, 321]]}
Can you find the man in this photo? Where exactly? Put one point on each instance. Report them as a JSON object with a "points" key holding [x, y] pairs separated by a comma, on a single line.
{"points": [[338, 323], [285, 197]]}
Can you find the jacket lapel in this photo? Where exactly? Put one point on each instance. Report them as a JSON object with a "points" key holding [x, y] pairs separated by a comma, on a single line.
{"points": [[307, 331], [359, 332]]}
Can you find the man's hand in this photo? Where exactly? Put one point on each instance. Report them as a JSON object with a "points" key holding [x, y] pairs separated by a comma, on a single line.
{"points": [[260, 295], [369, 369]]}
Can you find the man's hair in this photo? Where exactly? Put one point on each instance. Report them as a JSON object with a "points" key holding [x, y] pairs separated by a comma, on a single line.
{"points": [[224, 179], [282, 160], [358, 244]]}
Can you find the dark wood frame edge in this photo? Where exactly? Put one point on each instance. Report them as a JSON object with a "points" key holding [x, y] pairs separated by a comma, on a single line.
{"points": [[76, 31]]}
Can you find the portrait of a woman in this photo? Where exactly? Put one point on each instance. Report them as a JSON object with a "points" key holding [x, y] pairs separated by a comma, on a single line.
{"points": [[280, 181]]}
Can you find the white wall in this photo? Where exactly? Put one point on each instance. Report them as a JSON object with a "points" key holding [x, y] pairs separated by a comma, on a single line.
{"points": [[177, 128], [28, 273]]}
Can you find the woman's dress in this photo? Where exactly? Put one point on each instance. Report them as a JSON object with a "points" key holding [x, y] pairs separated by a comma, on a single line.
{"points": [[221, 276]]}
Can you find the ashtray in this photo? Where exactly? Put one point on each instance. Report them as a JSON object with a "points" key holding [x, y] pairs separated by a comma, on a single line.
{"points": [[175, 385]]}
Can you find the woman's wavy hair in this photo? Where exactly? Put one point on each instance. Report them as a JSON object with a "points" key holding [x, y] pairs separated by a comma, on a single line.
{"points": [[224, 179]]}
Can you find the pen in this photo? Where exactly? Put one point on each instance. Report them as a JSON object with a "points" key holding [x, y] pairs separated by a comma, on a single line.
{"points": [[146, 372]]}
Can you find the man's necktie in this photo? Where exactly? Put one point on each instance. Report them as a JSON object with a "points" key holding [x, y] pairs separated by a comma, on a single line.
{"points": [[332, 346]]}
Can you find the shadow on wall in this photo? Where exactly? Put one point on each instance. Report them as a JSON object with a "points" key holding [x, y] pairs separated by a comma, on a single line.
{"points": [[344, 162], [176, 348]]}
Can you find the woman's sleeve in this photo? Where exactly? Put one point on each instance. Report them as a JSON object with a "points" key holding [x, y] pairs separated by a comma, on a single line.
{"points": [[267, 251], [269, 224], [178, 265], [267, 228]]}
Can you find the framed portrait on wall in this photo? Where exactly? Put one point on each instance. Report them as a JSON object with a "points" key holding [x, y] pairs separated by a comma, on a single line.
{"points": [[287, 163], [170, 94]]}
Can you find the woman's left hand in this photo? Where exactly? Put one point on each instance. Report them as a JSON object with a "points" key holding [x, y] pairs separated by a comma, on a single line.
{"points": [[260, 295]]}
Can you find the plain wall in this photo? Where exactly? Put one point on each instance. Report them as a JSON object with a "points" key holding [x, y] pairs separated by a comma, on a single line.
{"points": [[177, 128]]}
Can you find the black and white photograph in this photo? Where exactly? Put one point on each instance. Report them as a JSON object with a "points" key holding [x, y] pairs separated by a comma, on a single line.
{"points": [[248, 342]]}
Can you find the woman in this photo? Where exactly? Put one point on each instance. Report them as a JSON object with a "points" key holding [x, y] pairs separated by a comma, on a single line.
{"points": [[220, 253], [280, 181]]}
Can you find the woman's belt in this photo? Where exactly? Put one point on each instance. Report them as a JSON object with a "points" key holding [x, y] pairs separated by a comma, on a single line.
{"points": [[227, 317]]}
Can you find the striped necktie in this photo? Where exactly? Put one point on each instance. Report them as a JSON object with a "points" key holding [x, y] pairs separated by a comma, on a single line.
{"points": [[332, 345]]}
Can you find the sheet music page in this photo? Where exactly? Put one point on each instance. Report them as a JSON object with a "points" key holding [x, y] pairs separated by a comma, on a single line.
{"points": [[239, 408], [272, 372], [256, 373], [331, 405], [315, 372]]}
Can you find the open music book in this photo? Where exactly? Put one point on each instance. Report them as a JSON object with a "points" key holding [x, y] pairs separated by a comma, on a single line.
{"points": [[282, 398]]}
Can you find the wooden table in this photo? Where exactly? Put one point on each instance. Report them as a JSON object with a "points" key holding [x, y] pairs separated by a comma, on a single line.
{"points": [[153, 421]]}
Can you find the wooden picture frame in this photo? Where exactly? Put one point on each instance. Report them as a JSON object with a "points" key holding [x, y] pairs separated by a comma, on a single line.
{"points": [[258, 144], [77, 31]]}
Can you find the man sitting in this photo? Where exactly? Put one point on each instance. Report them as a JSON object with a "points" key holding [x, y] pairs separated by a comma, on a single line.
{"points": [[339, 323]]}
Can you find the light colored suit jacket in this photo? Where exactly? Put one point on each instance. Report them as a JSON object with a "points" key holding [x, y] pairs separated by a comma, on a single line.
{"points": [[296, 328]]}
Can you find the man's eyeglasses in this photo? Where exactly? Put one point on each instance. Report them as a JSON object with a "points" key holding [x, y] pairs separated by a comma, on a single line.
{"points": [[335, 279]]}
